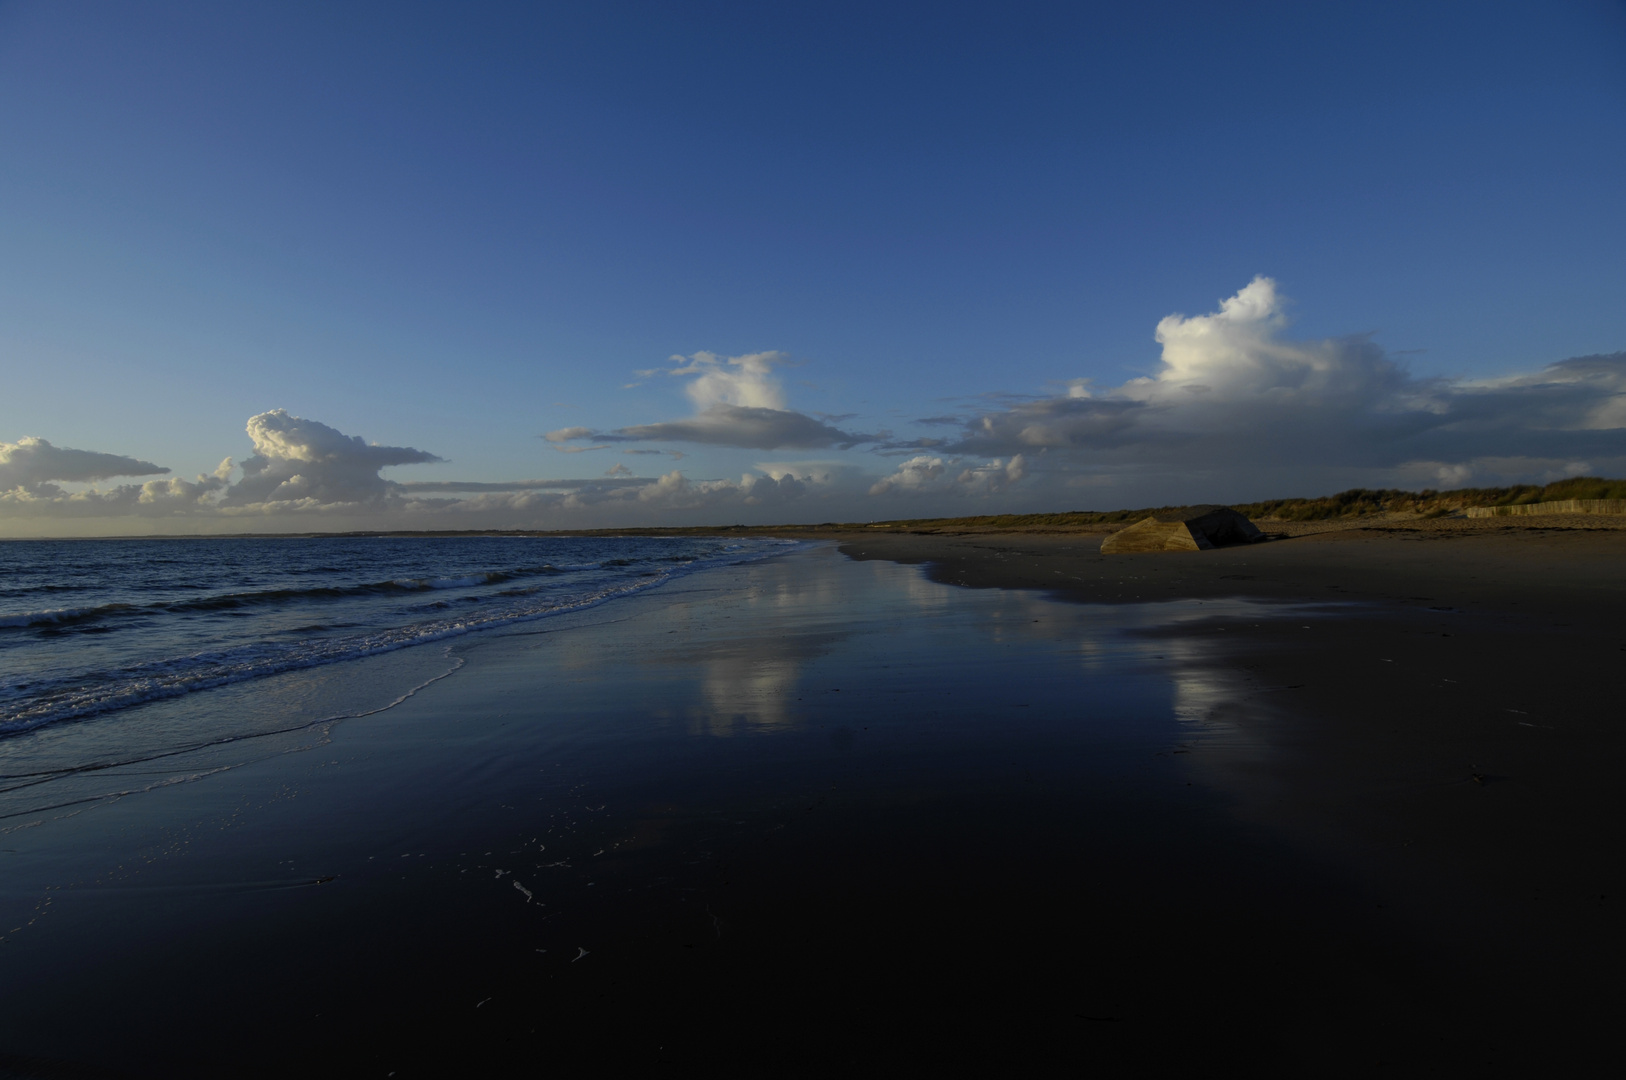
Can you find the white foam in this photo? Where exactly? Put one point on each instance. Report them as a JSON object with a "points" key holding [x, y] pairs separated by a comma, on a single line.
{"points": [[57, 615], [84, 694]]}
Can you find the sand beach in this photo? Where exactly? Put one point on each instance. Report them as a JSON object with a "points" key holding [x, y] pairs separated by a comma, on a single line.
{"points": [[1343, 803]]}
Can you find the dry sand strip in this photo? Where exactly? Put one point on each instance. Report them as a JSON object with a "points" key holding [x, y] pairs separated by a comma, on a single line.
{"points": [[1449, 729]]}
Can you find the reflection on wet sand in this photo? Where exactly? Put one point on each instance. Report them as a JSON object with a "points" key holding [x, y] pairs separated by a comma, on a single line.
{"points": [[931, 803], [745, 691]]}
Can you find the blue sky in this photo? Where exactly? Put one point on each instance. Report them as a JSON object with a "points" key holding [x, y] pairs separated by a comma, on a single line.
{"points": [[450, 230]]}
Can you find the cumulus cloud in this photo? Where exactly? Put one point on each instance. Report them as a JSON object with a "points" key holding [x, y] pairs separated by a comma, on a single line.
{"points": [[738, 402], [926, 473], [674, 491], [308, 463], [1233, 391], [301, 467], [1235, 401], [913, 475], [32, 472], [736, 380], [297, 465], [29, 462], [996, 476], [153, 498], [843, 475], [766, 490]]}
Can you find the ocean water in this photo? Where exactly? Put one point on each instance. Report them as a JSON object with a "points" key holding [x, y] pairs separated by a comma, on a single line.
{"points": [[259, 636]]}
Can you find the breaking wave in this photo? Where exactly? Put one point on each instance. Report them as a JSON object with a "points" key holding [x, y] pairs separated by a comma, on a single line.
{"points": [[238, 633]]}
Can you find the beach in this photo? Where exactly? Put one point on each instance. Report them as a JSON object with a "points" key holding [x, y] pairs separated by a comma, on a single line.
{"points": [[1342, 802]]}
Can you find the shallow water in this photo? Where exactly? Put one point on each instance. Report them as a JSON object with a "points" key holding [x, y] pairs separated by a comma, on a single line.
{"points": [[93, 627], [129, 664]]}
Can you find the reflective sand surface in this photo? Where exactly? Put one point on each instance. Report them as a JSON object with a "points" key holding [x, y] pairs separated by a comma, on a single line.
{"points": [[806, 812]]}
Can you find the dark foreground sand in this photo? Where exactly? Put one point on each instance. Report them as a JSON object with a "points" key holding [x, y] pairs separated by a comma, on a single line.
{"points": [[1335, 805], [1453, 736]]}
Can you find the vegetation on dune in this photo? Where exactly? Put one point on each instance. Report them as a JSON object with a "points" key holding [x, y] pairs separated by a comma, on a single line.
{"points": [[1359, 501], [1356, 502], [1015, 522]]}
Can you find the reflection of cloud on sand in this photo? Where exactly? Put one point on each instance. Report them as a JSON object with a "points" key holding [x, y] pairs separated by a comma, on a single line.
{"points": [[1201, 694], [1228, 716], [1216, 709], [745, 690]]}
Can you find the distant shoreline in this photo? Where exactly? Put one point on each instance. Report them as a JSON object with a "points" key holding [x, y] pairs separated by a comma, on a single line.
{"points": [[1276, 528], [1553, 505]]}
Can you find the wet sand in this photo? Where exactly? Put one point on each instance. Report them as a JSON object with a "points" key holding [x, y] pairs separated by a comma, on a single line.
{"points": [[1250, 806], [1451, 736]]}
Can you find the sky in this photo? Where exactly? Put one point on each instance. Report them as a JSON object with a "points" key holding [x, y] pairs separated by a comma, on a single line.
{"points": [[308, 267]]}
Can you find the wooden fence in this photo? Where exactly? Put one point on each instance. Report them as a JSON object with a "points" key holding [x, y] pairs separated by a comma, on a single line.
{"points": [[1563, 506]]}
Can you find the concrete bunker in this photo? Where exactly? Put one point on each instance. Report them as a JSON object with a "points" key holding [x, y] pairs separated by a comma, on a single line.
{"points": [[1187, 528]]}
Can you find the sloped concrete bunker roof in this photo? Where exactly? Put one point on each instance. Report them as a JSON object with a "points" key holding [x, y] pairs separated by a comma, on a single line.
{"points": [[1188, 528]]}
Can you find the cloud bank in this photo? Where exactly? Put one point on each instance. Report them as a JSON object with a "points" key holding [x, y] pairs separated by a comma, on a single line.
{"points": [[1233, 393], [306, 474], [297, 465], [31, 462], [1236, 409]]}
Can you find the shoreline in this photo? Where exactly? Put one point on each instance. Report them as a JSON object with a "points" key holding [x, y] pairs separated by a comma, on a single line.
{"points": [[1278, 528], [833, 806]]}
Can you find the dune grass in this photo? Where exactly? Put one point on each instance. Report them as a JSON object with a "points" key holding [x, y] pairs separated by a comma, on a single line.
{"points": [[1359, 501], [1354, 503]]}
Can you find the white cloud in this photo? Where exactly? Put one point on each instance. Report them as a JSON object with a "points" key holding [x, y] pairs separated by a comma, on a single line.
{"points": [[736, 380], [992, 478], [1235, 395], [738, 402], [307, 463], [1237, 409], [825, 474], [916, 474], [674, 491], [744, 426], [29, 462], [153, 498], [298, 465], [925, 473], [301, 466]]}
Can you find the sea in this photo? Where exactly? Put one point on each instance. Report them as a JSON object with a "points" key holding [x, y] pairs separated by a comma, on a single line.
{"points": [[130, 663]]}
